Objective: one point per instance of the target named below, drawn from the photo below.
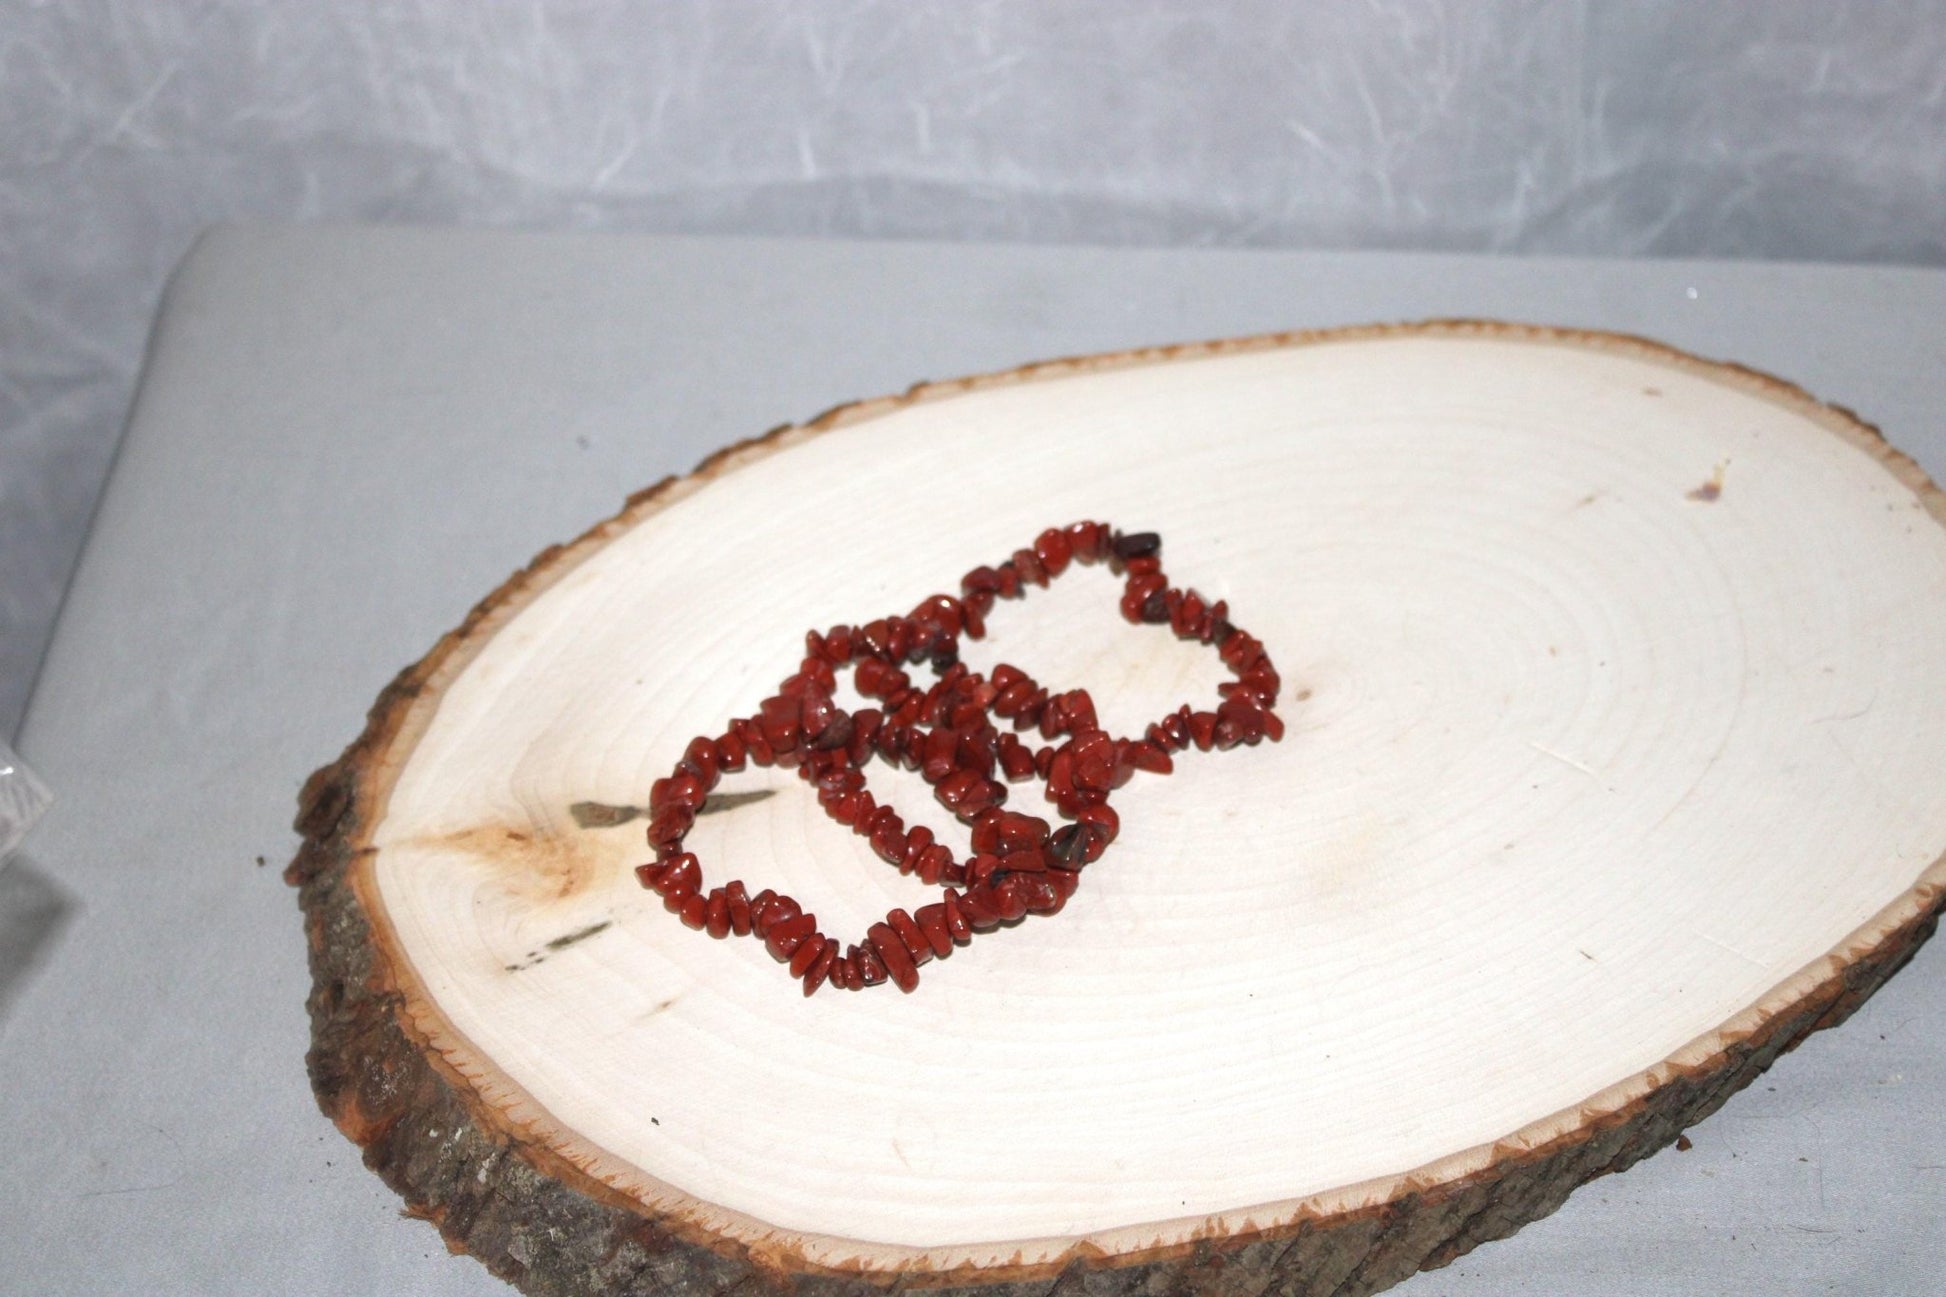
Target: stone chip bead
(1054, 550)
(770, 910)
(702, 760)
(684, 873)
(737, 901)
(716, 914)
(938, 932)
(1102, 818)
(956, 922)
(1009, 899)
(784, 937)
(1038, 893)
(820, 968)
(807, 953)
(885, 942)
(976, 903)
(1089, 541)
(870, 970)
(1075, 846)
(909, 932)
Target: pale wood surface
(1591, 768)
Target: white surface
(345, 437)
(1779, 128)
(1589, 767)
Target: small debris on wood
(1712, 490)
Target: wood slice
(1611, 679)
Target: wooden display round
(1611, 682)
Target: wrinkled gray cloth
(1769, 128)
(346, 437)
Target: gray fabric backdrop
(1763, 128)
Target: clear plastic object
(22, 799)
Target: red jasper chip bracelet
(949, 731)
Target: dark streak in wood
(580, 934)
(558, 944)
(730, 801)
(600, 815)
